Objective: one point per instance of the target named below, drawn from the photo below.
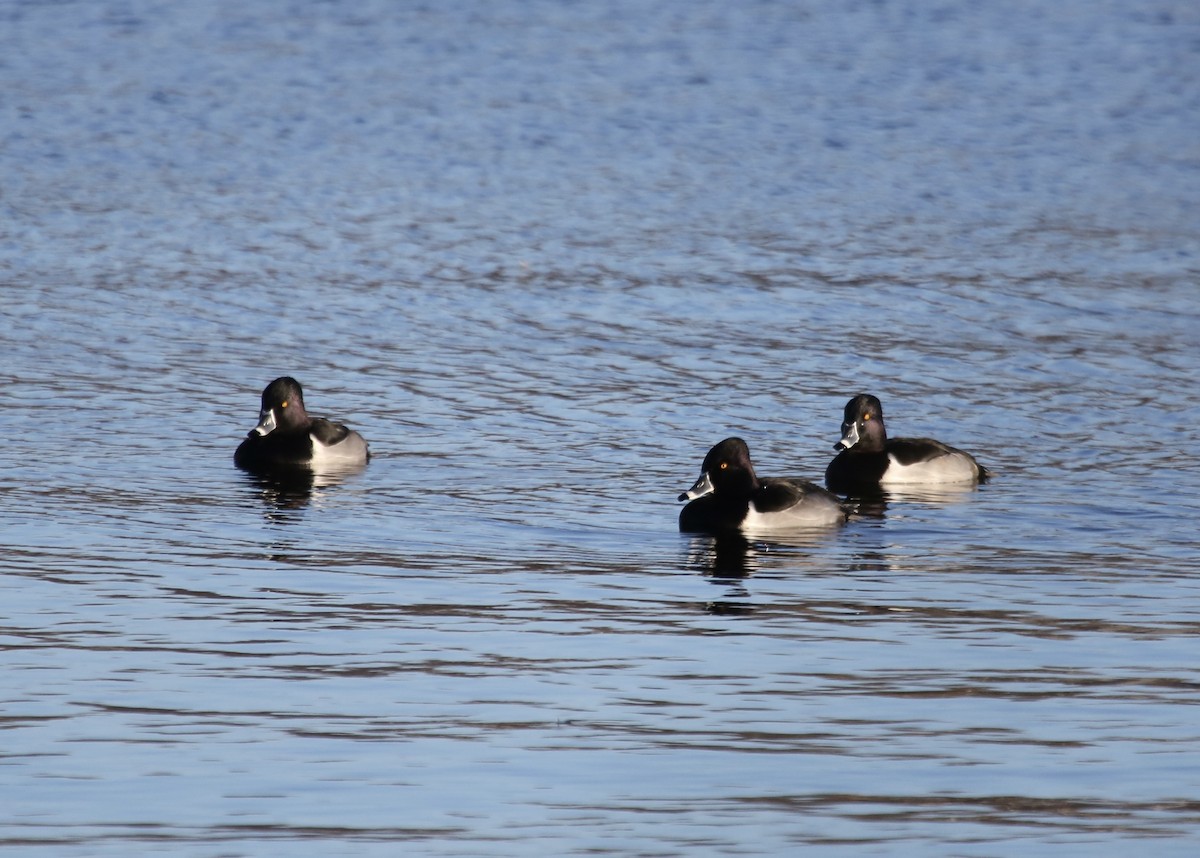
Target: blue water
(543, 256)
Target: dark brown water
(543, 257)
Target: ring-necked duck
(870, 460)
(729, 497)
(287, 437)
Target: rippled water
(543, 256)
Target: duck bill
(266, 423)
(702, 487)
(849, 437)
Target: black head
(284, 389)
(727, 469)
(282, 406)
(862, 424)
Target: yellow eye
(866, 416)
(724, 465)
(283, 404)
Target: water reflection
(736, 556)
(875, 504)
(402, 661)
(288, 490)
(730, 556)
(730, 606)
(728, 560)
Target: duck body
(869, 460)
(287, 437)
(729, 497)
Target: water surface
(544, 257)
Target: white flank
(950, 468)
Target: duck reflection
(730, 556)
(730, 559)
(727, 560)
(287, 490)
(735, 556)
(874, 504)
